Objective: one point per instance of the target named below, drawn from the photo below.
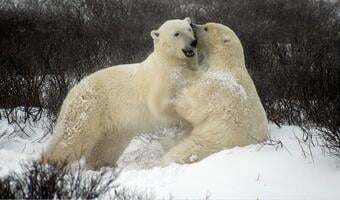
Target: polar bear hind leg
(74, 133)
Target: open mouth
(188, 53)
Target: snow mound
(252, 172)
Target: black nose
(193, 43)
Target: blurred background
(292, 51)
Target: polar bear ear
(155, 35)
(188, 19)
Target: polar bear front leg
(185, 152)
(202, 142)
(108, 149)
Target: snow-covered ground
(21, 141)
(254, 172)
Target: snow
(254, 172)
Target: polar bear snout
(194, 26)
(193, 43)
(189, 51)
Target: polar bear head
(175, 39)
(218, 41)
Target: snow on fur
(225, 80)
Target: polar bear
(222, 105)
(104, 111)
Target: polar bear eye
(206, 28)
(176, 34)
(226, 39)
(189, 30)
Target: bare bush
(38, 181)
